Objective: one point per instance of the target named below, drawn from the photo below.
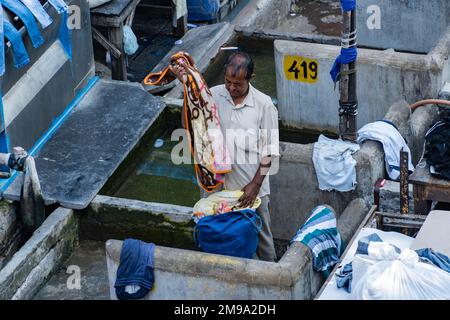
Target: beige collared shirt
(251, 133)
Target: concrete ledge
(44, 269)
(266, 14)
(291, 278)
(9, 226)
(163, 224)
(61, 224)
(203, 44)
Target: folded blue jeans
(27, 18)
(38, 12)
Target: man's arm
(251, 190)
(269, 143)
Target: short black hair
(237, 61)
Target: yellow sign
(301, 69)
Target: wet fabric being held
(201, 119)
(135, 273)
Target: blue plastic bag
(233, 233)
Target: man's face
(236, 84)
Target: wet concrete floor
(90, 258)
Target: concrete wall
(184, 274)
(406, 25)
(10, 232)
(164, 224)
(382, 79)
(48, 247)
(37, 93)
(264, 14)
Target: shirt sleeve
(269, 133)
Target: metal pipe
(347, 81)
(32, 205)
(428, 101)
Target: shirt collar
(249, 100)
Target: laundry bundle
(437, 148)
(334, 164)
(382, 271)
(201, 119)
(225, 228)
(320, 234)
(387, 134)
(220, 202)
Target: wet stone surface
(90, 258)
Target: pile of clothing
(219, 203)
(437, 148)
(381, 270)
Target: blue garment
(320, 234)
(27, 18)
(438, 259)
(64, 31)
(233, 233)
(38, 12)
(20, 54)
(4, 143)
(2, 44)
(347, 55)
(59, 5)
(344, 277)
(135, 268)
(348, 5)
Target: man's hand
(251, 191)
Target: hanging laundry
(64, 31)
(135, 273)
(2, 46)
(201, 121)
(38, 12)
(320, 234)
(20, 54)
(385, 132)
(334, 164)
(27, 18)
(437, 148)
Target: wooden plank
(367, 219)
(105, 43)
(101, 20)
(422, 175)
(421, 205)
(118, 66)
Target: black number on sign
(313, 68)
(304, 65)
(294, 69)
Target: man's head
(238, 71)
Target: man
(249, 122)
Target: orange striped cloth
(207, 144)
